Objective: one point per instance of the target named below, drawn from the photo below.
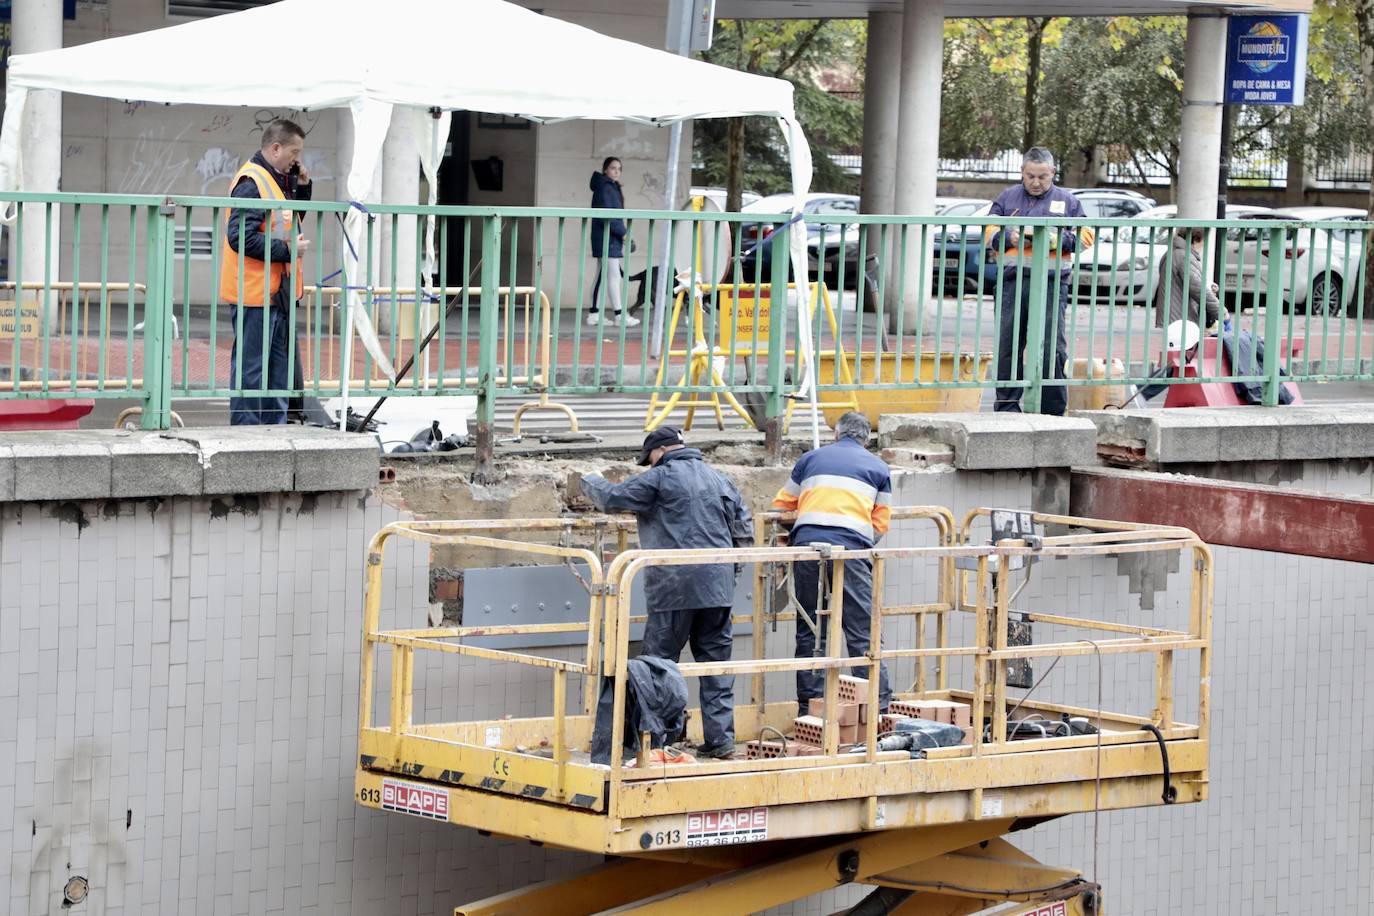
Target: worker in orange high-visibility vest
(256, 267)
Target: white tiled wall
(190, 668)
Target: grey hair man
(842, 495)
(1035, 197)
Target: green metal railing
(125, 305)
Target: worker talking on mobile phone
(261, 275)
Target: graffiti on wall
(155, 163)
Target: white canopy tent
(477, 55)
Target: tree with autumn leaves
(1094, 89)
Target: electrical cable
(1170, 794)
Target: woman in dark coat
(608, 246)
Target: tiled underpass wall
(185, 679)
(1289, 824)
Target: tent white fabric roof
(479, 55)
(474, 55)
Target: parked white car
(1318, 264)
(1123, 265)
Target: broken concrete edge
(993, 441)
(1238, 434)
(118, 464)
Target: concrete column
(918, 136)
(37, 26)
(400, 185)
(1204, 72)
(882, 95)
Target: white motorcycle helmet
(1183, 336)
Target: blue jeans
(857, 624)
(259, 411)
(1011, 350)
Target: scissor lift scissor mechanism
(745, 834)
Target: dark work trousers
(1011, 339)
(249, 410)
(857, 624)
(708, 629)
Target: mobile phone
(295, 169)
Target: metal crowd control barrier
(908, 293)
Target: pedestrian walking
(608, 244)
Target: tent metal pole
(663, 289)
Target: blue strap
(754, 247)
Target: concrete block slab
(1246, 433)
(995, 441)
(1063, 442)
(256, 459)
(333, 460)
(63, 465)
(1311, 433)
(1167, 436)
(1355, 430)
(980, 441)
(149, 464)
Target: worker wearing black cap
(682, 503)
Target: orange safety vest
(279, 225)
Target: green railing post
(1034, 329)
(1273, 315)
(157, 309)
(488, 325)
(775, 407)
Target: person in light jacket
(1181, 282)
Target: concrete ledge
(6, 474)
(70, 464)
(995, 441)
(120, 464)
(1211, 434)
(145, 464)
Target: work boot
(714, 752)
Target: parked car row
(1317, 275)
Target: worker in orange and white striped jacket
(842, 495)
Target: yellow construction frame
(871, 800)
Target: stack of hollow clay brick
(807, 730)
(947, 711)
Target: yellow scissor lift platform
(736, 836)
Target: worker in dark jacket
(1035, 196)
(255, 279)
(608, 243)
(842, 495)
(682, 503)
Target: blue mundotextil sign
(1266, 60)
